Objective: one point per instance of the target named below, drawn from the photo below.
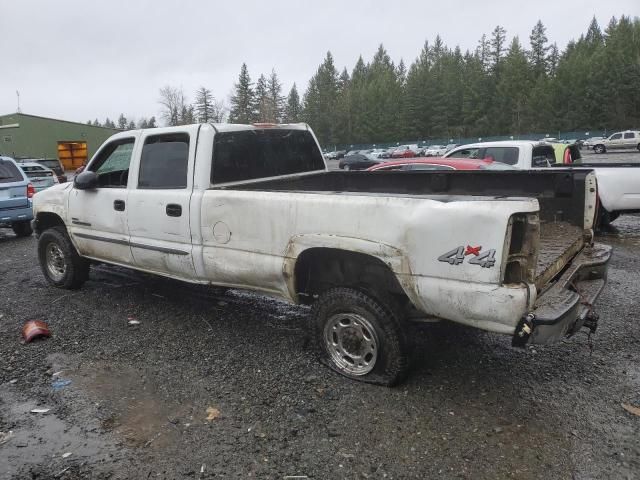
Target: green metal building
(30, 136)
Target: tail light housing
(30, 191)
(520, 252)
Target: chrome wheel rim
(56, 263)
(352, 343)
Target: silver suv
(627, 140)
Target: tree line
(124, 124)
(500, 88)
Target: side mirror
(86, 180)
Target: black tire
(22, 229)
(61, 266)
(605, 218)
(388, 339)
(599, 149)
(639, 147)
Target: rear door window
(508, 155)
(251, 154)
(9, 172)
(164, 161)
(629, 135)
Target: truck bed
(559, 242)
(560, 193)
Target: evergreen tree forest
(505, 86)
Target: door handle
(174, 210)
(118, 205)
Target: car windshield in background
(508, 155)
(251, 154)
(9, 172)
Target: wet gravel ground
(222, 385)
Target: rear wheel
(22, 229)
(599, 149)
(59, 260)
(359, 337)
(347, 168)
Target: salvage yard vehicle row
(254, 207)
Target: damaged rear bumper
(567, 306)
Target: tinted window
(465, 153)
(9, 172)
(543, 156)
(253, 154)
(508, 155)
(112, 163)
(629, 135)
(35, 172)
(615, 136)
(164, 161)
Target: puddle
(40, 439)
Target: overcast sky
(79, 60)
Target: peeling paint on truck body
(251, 234)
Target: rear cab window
(9, 173)
(36, 172)
(543, 156)
(254, 154)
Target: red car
(405, 151)
(433, 163)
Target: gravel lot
(138, 400)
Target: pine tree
(539, 49)
(96, 123)
(122, 122)
(261, 107)
(293, 108)
(204, 105)
(109, 124)
(242, 101)
(498, 39)
(320, 100)
(132, 125)
(276, 100)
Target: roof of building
(20, 114)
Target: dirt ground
(222, 385)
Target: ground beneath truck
(222, 385)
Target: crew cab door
(159, 202)
(629, 140)
(98, 217)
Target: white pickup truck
(618, 183)
(254, 207)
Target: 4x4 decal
(457, 256)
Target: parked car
(40, 176)
(358, 161)
(52, 163)
(16, 192)
(435, 151)
(505, 252)
(618, 189)
(412, 164)
(590, 142)
(405, 151)
(627, 140)
(336, 155)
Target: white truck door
(159, 202)
(98, 217)
(614, 141)
(629, 140)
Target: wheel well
(46, 220)
(319, 269)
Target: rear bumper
(564, 308)
(20, 214)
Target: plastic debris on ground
(67, 454)
(60, 384)
(5, 436)
(133, 321)
(631, 409)
(35, 329)
(212, 413)
(40, 410)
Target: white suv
(627, 140)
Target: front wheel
(22, 229)
(599, 149)
(59, 260)
(359, 337)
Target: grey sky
(83, 59)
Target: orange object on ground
(35, 329)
